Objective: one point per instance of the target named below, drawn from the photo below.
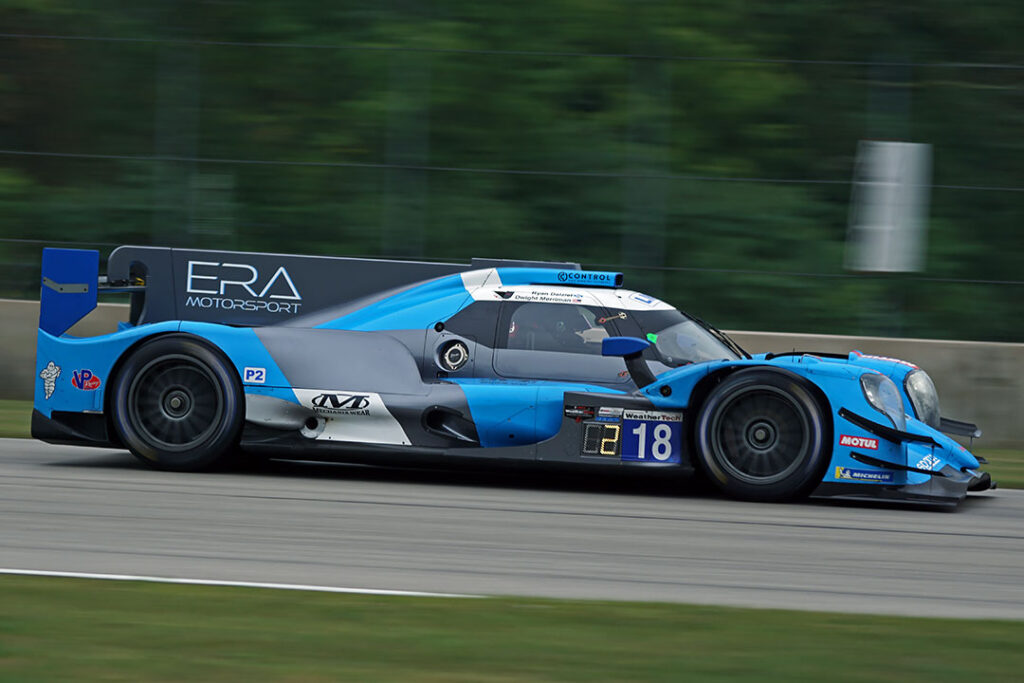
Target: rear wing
(230, 287)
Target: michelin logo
(49, 376)
(876, 476)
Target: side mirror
(623, 346)
(631, 349)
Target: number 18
(661, 449)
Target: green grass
(15, 417)
(70, 629)
(1005, 465)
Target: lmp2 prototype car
(376, 361)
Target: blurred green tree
(703, 147)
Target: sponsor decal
(579, 412)
(878, 476)
(607, 411)
(341, 404)
(643, 298)
(928, 462)
(654, 415)
(85, 380)
(504, 294)
(254, 375)
(353, 416)
(547, 296)
(585, 276)
(239, 286)
(49, 376)
(858, 442)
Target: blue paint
(95, 354)
(623, 346)
(58, 311)
(517, 412)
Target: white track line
(234, 584)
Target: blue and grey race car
(381, 361)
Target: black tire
(177, 405)
(762, 435)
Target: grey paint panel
(276, 413)
(343, 360)
(573, 367)
(375, 362)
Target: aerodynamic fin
(69, 283)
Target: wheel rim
(760, 436)
(175, 403)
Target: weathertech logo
(342, 404)
(858, 442)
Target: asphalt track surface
(537, 534)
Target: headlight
(883, 394)
(923, 397)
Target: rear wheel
(761, 435)
(177, 404)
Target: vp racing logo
(341, 404)
(240, 286)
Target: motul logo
(858, 442)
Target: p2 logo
(254, 375)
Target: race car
(231, 354)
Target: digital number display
(601, 438)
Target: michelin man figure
(49, 375)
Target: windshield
(677, 339)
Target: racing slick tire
(178, 405)
(762, 435)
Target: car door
(559, 341)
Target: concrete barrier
(19, 321)
(981, 382)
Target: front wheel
(177, 404)
(762, 435)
